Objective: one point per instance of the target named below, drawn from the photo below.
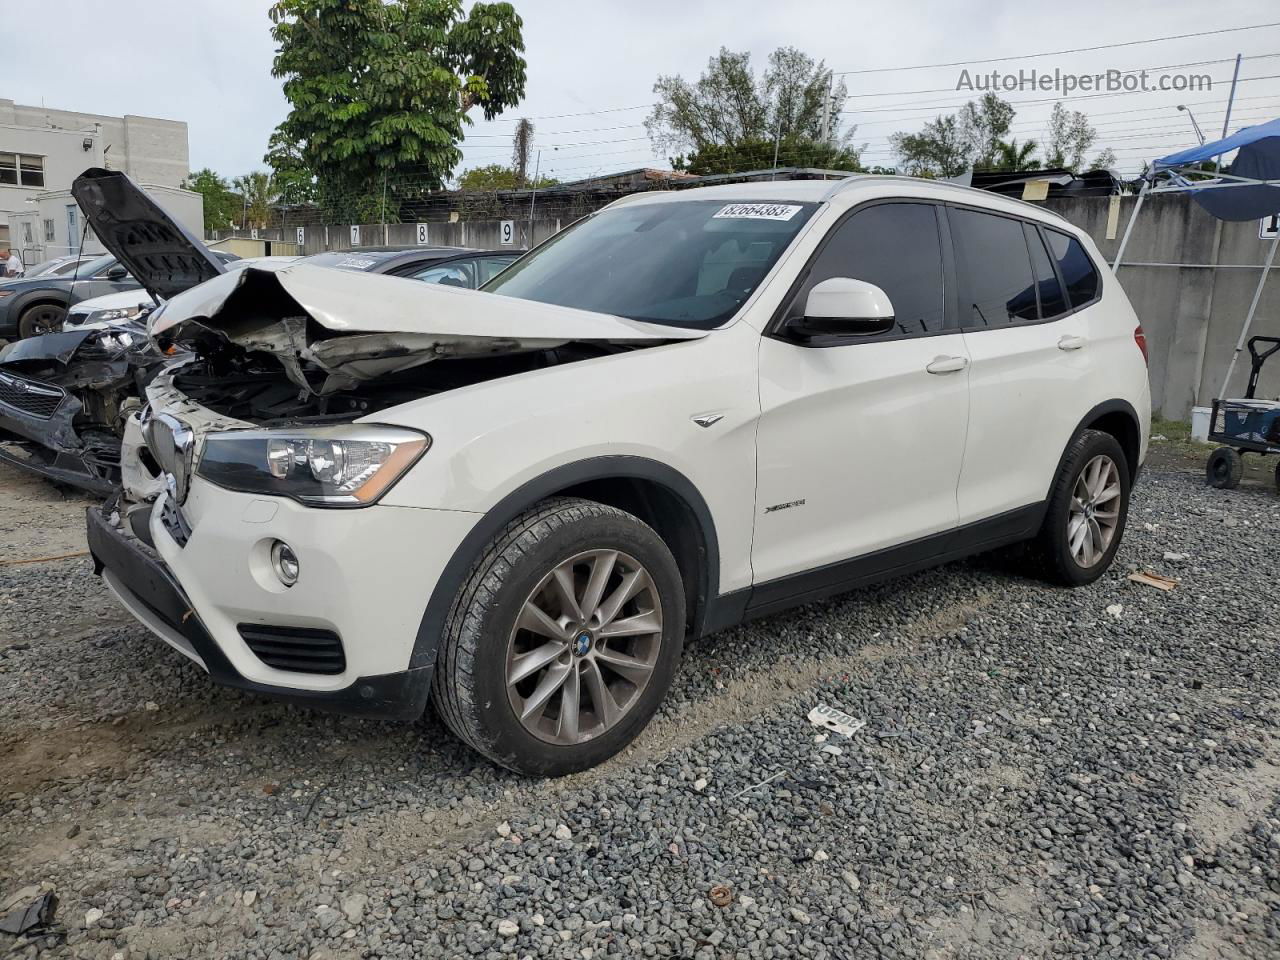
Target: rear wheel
(1087, 511)
(1224, 469)
(40, 319)
(563, 641)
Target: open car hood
(359, 326)
(159, 252)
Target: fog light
(285, 562)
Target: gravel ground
(1042, 772)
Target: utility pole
(826, 110)
(384, 207)
(533, 197)
(777, 139)
(1231, 98)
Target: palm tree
(1013, 158)
(258, 193)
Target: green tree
(385, 85)
(221, 206)
(257, 196)
(983, 124)
(294, 183)
(758, 155)
(939, 150)
(728, 112)
(1014, 158)
(1069, 138)
(495, 176)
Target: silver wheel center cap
(582, 644)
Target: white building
(43, 150)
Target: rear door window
(993, 270)
(1078, 271)
(1052, 301)
(896, 246)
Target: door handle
(947, 364)
(1070, 342)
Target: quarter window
(1078, 271)
(993, 266)
(1052, 302)
(896, 246)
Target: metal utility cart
(1247, 425)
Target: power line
(1056, 53)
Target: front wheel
(564, 639)
(40, 319)
(1087, 511)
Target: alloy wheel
(41, 320)
(1095, 511)
(584, 646)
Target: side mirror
(117, 271)
(844, 307)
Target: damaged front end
(65, 398)
(308, 346)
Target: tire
(485, 637)
(1224, 469)
(1064, 555)
(42, 318)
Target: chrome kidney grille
(31, 397)
(172, 444)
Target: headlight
(103, 316)
(346, 466)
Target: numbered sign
(253, 233)
(507, 233)
(422, 233)
(355, 234)
(1269, 227)
(302, 235)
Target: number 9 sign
(508, 233)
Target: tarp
(1258, 159)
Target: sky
(592, 65)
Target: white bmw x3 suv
(688, 409)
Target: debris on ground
(835, 719)
(1159, 581)
(1116, 610)
(33, 914)
(721, 895)
(1171, 557)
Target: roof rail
(841, 185)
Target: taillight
(1140, 339)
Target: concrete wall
(482, 235)
(1191, 312)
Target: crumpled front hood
(359, 326)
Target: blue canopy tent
(1249, 189)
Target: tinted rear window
(1052, 301)
(994, 270)
(1078, 271)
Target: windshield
(685, 263)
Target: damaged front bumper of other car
(64, 399)
(252, 533)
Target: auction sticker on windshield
(757, 211)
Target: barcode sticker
(757, 211)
